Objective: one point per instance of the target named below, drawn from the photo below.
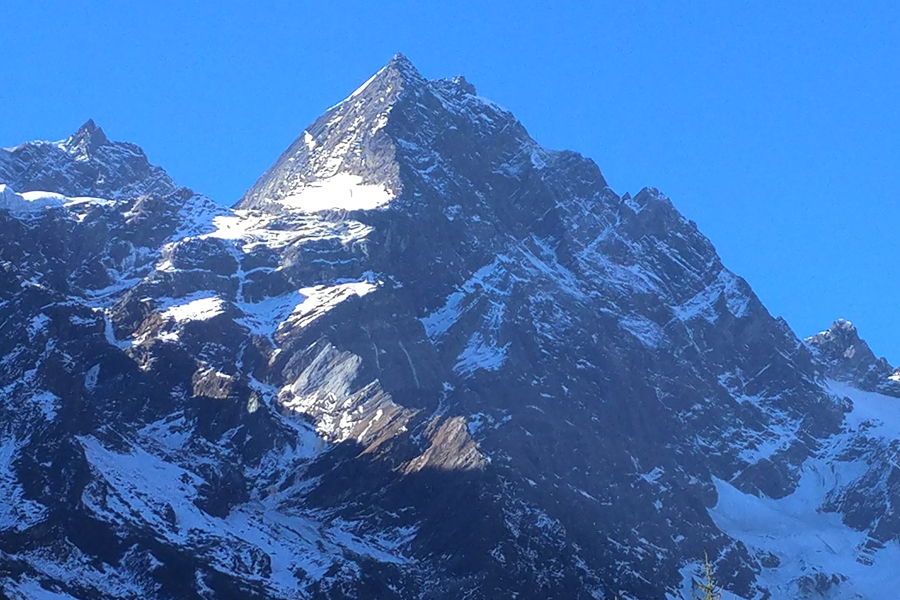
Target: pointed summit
(841, 341)
(396, 122)
(90, 127)
(847, 357)
(85, 164)
(388, 83)
(402, 65)
(399, 137)
(84, 143)
(348, 142)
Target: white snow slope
(812, 545)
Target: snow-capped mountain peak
(424, 357)
(354, 156)
(344, 159)
(404, 67)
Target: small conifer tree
(708, 588)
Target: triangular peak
(344, 156)
(84, 142)
(841, 339)
(400, 138)
(404, 67)
(387, 83)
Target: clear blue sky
(777, 129)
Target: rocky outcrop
(847, 357)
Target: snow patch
(338, 192)
(646, 331)
(452, 212)
(480, 354)
(198, 216)
(878, 414)
(90, 378)
(320, 299)
(253, 229)
(267, 315)
(47, 403)
(196, 308)
(16, 512)
(362, 88)
(142, 486)
(538, 158)
(37, 324)
(309, 140)
(439, 322)
(32, 590)
(807, 540)
(703, 304)
(28, 203)
(486, 279)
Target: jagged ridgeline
(423, 357)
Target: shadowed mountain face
(423, 357)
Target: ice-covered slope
(836, 535)
(423, 357)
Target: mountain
(85, 164)
(423, 357)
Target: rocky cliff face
(846, 357)
(423, 357)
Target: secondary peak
(84, 142)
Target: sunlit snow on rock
(340, 192)
(320, 299)
(806, 538)
(198, 309)
(34, 202)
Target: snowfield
(812, 544)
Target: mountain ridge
(86, 164)
(490, 375)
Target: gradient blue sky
(775, 128)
